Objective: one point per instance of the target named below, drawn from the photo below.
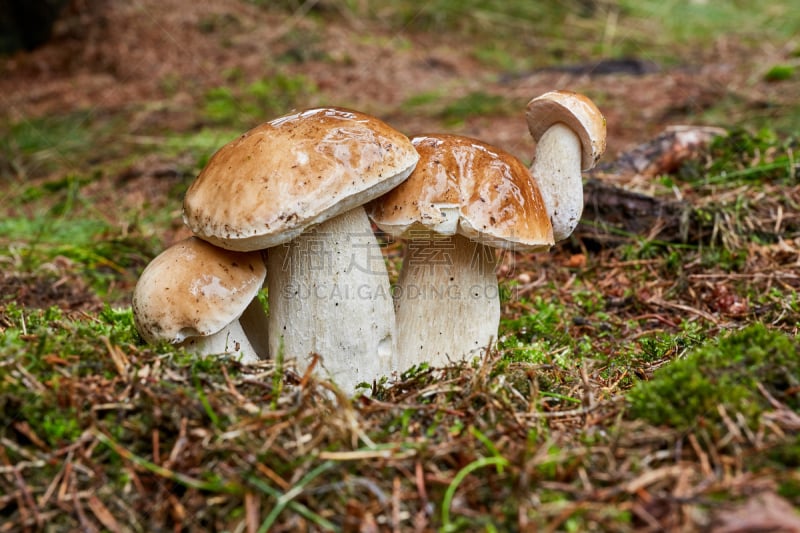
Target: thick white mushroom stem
(447, 301)
(556, 169)
(230, 340)
(329, 295)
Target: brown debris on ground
(155, 441)
(56, 284)
(764, 511)
(309, 460)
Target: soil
(57, 284)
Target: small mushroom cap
(280, 178)
(579, 114)
(465, 186)
(194, 289)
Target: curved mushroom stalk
(570, 133)
(329, 294)
(229, 340)
(556, 169)
(448, 304)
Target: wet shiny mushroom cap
(280, 178)
(194, 289)
(465, 186)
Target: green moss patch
(737, 372)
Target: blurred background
(616, 400)
(174, 66)
(108, 109)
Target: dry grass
(163, 444)
(680, 247)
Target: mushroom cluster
(466, 197)
(286, 206)
(292, 190)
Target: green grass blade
(297, 507)
(475, 432)
(447, 525)
(183, 479)
(295, 491)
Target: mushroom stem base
(229, 340)
(329, 295)
(447, 301)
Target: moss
(245, 105)
(790, 489)
(780, 73)
(727, 372)
(743, 156)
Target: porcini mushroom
(267, 189)
(193, 294)
(464, 198)
(570, 133)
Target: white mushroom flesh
(329, 295)
(448, 306)
(253, 321)
(230, 340)
(556, 169)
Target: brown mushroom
(193, 295)
(295, 185)
(571, 136)
(464, 198)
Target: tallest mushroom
(570, 135)
(295, 186)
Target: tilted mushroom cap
(576, 111)
(275, 181)
(465, 186)
(194, 289)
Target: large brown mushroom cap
(280, 178)
(194, 289)
(466, 186)
(575, 110)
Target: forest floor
(646, 377)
